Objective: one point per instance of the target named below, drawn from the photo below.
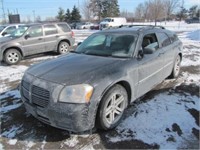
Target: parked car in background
(73, 25)
(93, 85)
(6, 30)
(112, 22)
(95, 26)
(193, 20)
(84, 25)
(36, 38)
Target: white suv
(6, 30)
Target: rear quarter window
(164, 39)
(64, 27)
(50, 29)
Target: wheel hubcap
(115, 108)
(13, 57)
(64, 48)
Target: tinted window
(164, 39)
(173, 37)
(50, 29)
(35, 31)
(64, 27)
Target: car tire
(112, 108)
(177, 67)
(12, 57)
(63, 47)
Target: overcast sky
(49, 8)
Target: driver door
(34, 41)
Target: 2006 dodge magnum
(92, 86)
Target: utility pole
(3, 11)
(33, 15)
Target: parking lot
(166, 117)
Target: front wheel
(12, 56)
(177, 67)
(112, 108)
(63, 47)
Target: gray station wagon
(93, 85)
(35, 38)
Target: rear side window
(164, 39)
(64, 27)
(173, 37)
(50, 29)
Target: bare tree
(87, 13)
(139, 14)
(156, 10)
(171, 6)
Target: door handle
(161, 54)
(57, 36)
(40, 39)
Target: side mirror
(148, 51)
(79, 43)
(4, 33)
(27, 36)
(140, 54)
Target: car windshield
(1, 28)
(113, 45)
(19, 31)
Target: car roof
(136, 29)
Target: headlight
(76, 94)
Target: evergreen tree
(61, 14)
(75, 15)
(68, 16)
(104, 8)
(113, 8)
(193, 11)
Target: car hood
(72, 68)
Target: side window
(164, 39)
(173, 37)
(10, 30)
(64, 27)
(35, 31)
(150, 41)
(50, 29)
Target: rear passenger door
(51, 37)
(167, 53)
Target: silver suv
(36, 38)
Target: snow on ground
(169, 129)
(172, 128)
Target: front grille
(39, 101)
(26, 85)
(39, 96)
(40, 92)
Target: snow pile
(195, 35)
(164, 120)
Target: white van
(112, 22)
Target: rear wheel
(177, 67)
(112, 108)
(12, 56)
(63, 47)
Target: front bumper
(71, 117)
